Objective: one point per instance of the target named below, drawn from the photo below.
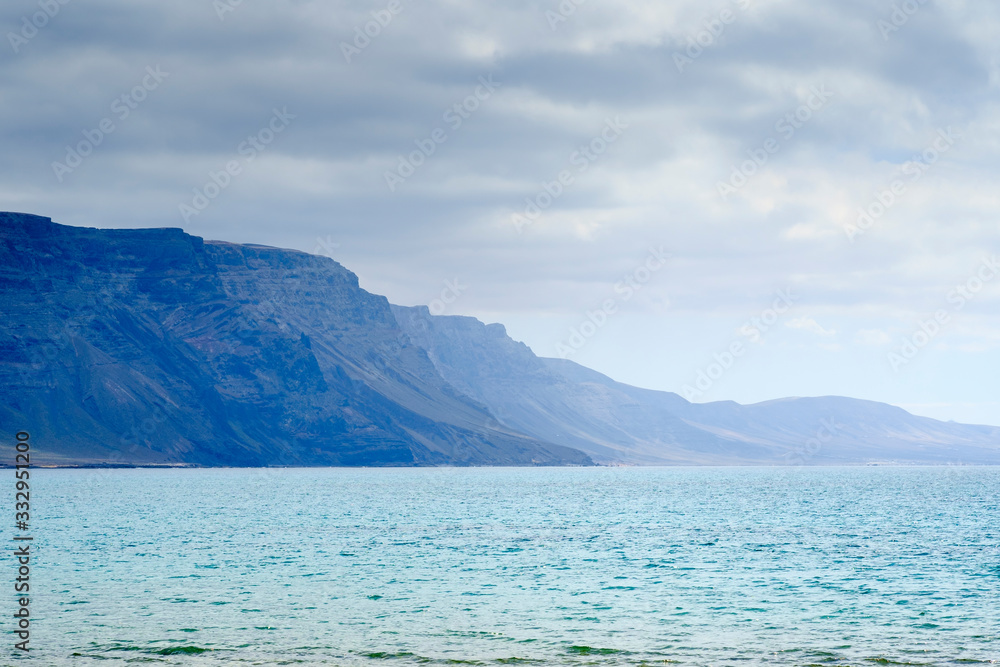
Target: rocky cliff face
(560, 401)
(154, 346)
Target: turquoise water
(859, 566)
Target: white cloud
(873, 337)
(656, 186)
(810, 325)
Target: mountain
(156, 347)
(560, 401)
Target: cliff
(157, 347)
(154, 346)
(560, 401)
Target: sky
(732, 200)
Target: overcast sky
(590, 141)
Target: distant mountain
(153, 346)
(560, 401)
(157, 347)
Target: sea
(504, 566)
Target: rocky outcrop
(560, 401)
(157, 347)
(154, 346)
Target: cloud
(810, 325)
(323, 177)
(873, 337)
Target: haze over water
(496, 566)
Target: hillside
(154, 346)
(560, 401)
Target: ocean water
(613, 566)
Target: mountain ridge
(625, 424)
(155, 347)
